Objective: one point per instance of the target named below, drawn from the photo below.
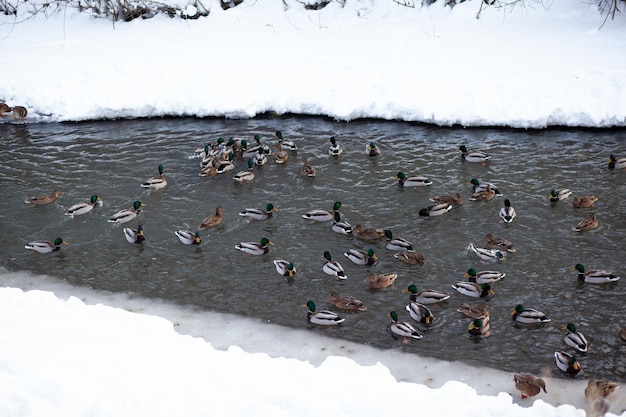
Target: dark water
(111, 159)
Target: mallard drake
(284, 268)
(4, 108)
(281, 156)
(528, 385)
(410, 257)
(420, 313)
(474, 310)
(567, 363)
(156, 183)
(250, 152)
(346, 302)
(335, 148)
(19, 112)
(82, 208)
(285, 143)
(575, 339)
(43, 246)
(45, 198)
(371, 149)
(245, 175)
(306, 169)
(435, 210)
(333, 268)
(361, 257)
(322, 317)
(471, 289)
(597, 276)
(260, 158)
(124, 216)
(259, 214)
(525, 315)
(321, 215)
(453, 200)
(341, 226)
(412, 181)
(616, 163)
(134, 235)
(588, 223)
(254, 248)
(225, 165)
(187, 237)
(368, 234)
(480, 326)
(425, 296)
(403, 328)
(600, 388)
(473, 156)
(584, 201)
(481, 186)
(485, 254)
(377, 281)
(483, 277)
(397, 244)
(559, 195)
(499, 243)
(483, 195)
(213, 220)
(507, 213)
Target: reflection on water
(111, 159)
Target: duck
(473, 156)
(567, 363)
(499, 243)
(599, 388)
(410, 257)
(322, 317)
(134, 235)
(481, 186)
(471, 289)
(321, 215)
(368, 234)
(398, 243)
(4, 108)
(483, 277)
(346, 302)
(588, 223)
(480, 326)
(372, 150)
(453, 200)
(254, 248)
(245, 175)
(528, 385)
(525, 315)
(225, 165)
(483, 195)
(412, 181)
(284, 268)
(334, 149)
(420, 313)
(378, 281)
(306, 169)
(560, 194)
(82, 208)
(341, 226)
(288, 144)
(260, 158)
(361, 257)
(486, 254)
(44, 246)
(597, 276)
(507, 213)
(209, 170)
(585, 201)
(426, 297)
(213, 220)
(474, 310)
(435, 210)
(622, 334)
(333, 268)
(575, 339)
(259, 214)
(124, 216)
(19, 112)
(616, 163)
(44, 198)
(187, 237)
(403, 328)
(156, 183)
(281, 156)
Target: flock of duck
(219, 158)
